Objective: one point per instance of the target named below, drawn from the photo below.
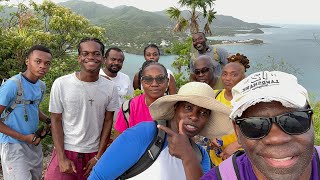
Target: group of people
(258, 127)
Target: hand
(28, 139)
(215, 145)
(178, 143)
(89, 166)
(229, 150)
(67, 166)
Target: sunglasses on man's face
(292, 123)
(149, 79)
(203, 70)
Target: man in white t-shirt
(82, 105)
(114, 61)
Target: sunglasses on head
(203, 70)
(292, 123)
(149, 79)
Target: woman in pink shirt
(154, 81)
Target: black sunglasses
(203, 70)
(292, 123)
(149, 79)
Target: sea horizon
(294, 44)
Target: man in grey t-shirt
(218, 55)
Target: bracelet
(95, 157)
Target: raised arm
(136, 84)
(172, 85)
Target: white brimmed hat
(202, 95)
(268, 86)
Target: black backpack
(152, 152)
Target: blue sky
(255, 11)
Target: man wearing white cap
(190, 112)
(272, 118)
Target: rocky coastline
(236, 42)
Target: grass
(316, 120)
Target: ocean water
(292, 43)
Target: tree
(49, 24)
(271, 64)
(191, 21)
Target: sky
(253, 11)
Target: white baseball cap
(267, 86)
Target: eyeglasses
(292, 123)
(149, 79)
(203, 70)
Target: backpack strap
(20, 97)
(3, 81)
(317, 157)
(216, 55)
(150, 155)
(217, 94)
(229, 168)
(139, 78)
(126, 111)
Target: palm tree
(196, 9)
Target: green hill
(136, 17)
(100, 14)
(131, 28)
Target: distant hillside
(124, 14)
(131, 15)
(223, 21)
(131, 28)
(90, 10)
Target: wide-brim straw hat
(202, 95)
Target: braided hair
(150, 46)
(240, 58)
(147, 64)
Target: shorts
(21, 161)
(79, 159)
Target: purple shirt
(246, 171)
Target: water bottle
(219, 150)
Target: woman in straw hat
(190, 112)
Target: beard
(114, 70)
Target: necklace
(91, 100)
